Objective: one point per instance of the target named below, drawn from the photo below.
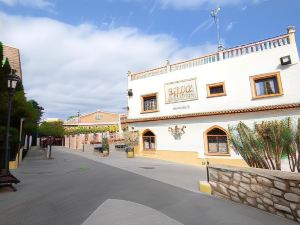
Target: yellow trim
(14, 164)
(214, 160)
(136, 149)
(206, 142)
(191, 158)
(208, 86)
(253, 79)
(205, 187)
(130, 155)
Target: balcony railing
(221, 55)
(149, 73)
(256, 47)
(195, 62)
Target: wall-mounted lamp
(285, 60)
(130, 93)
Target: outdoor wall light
(12, 81)
(285, 60)
(130, 93)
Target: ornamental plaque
(181, 91)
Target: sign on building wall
(181, 91)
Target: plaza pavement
(74, 190)
(179, 175)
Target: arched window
(148, 140)
(216, 141)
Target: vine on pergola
(90, 130)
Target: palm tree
(265, 145)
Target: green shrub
(105, 144)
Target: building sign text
(181, 91)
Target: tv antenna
(214, 14)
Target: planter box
(130, 155)
(105, 153)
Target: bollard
(48, 152)
(207, 172)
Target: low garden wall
(276, 192)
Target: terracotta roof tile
(215, 113)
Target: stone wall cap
(262, 172)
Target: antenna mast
(214, 14)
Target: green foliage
(14, 141)
(131, 138)
(92, 130)
(266, 144)
(105, 144)
(21, 108)
(53, 129)
(72, 117)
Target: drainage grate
(147, 167)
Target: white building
(182, 111)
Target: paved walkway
(179, 175)
(73, 190)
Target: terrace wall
(276, 192)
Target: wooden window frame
(142, 103)
(254, 78)
(206, 152)
(208, 86)
(155, 141)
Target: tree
(53, 129)
(22, 108)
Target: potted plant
(131, 139)
(105, 147)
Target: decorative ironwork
(177, 132)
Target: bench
(7, 180)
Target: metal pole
(7, 144)
(207, 171)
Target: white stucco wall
(193, 139)
(235, 72)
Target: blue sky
(133, 34)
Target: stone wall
(276, 192)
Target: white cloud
(244, 8)
(67, 68)
(41, 4)
(193, 4)
(205, 25)
(229, 26)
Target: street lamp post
(6, 178)
(12, 82)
